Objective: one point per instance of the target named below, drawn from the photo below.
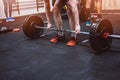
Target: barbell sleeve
(114, 36)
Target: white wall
(111, 4)
(1, 9)
(22, 11)
(106, 5)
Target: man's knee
(72, 6)
(55, 10)
(69, 12)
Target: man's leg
(56, 13)
(10, 8)
(73, 16)
(58, 20)
(5, 2)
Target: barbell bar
(63, 30)
(114, 36)
(81, 32)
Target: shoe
(7, 19)
(57, 38)
(11, 19)
(72, 42)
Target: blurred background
(26, 7)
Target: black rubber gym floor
(38, 59)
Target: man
(8, 9)
(73, 16)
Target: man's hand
(77, 29)
(49, 25)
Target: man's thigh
(5, 2)
(98, 1)
(88, 1)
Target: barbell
(100, 35)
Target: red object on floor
(16, 29)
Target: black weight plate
(97, 41)
(29, 29)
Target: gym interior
(23, 58)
